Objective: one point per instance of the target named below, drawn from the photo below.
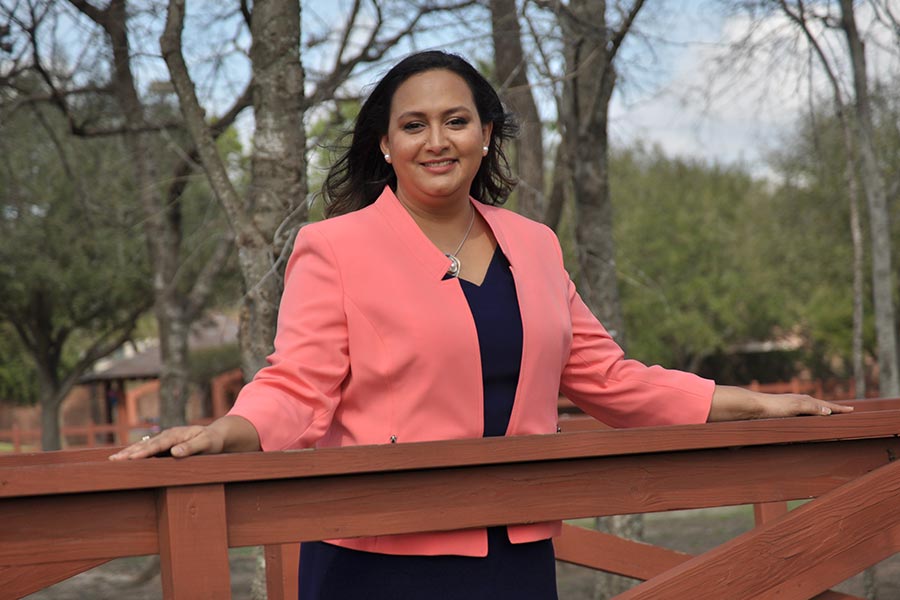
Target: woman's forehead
(435, 91)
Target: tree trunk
(561, 179)
(174, 388)
(511, 72)
(799, 17)
(277, 195)
(590, 48)
(162, 225)
(587, 93)
(275, 206)
(175, 308)
(53, 390)
(51, 401)
(879, 222)
(856, 235)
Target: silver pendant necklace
(453, 271)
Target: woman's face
(435, 139)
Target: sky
(678, 87)
(704, 103)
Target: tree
(184, 267)
(879, 220)
(688, 237)
(819, 24)
(797, 15)
(512, 73)
(177, 304)
(72, 279)
(590, 47)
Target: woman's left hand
(733, 403)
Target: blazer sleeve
(291, 401)
(621, 392)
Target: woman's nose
(436, 140)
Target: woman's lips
(439, 166)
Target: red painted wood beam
(25, 478)
(23, 580)
(798, 556)
(193, 548)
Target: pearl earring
(484, 149)
(387, 158)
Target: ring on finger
(145, 438)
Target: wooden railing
(65, 512)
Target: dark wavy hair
(359, 175)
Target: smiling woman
(422, 311)
(435, 142)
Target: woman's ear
(385, 149)
(486, 134)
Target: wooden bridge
(65, 512)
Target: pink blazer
(374, 346)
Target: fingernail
(177, 451)
(826, 410)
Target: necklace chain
(453, 271)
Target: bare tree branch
(204, 280)
(348, 29)
(195, 117)
(90, 11)
(374, 49)
(189, 162)
(245, 11)
(624, 29)
(106, 342)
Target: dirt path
(688, 531)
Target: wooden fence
(66, 512)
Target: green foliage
(710, 259)
(812, 210)
(328, 136)
(687, 235)
(18, 383)
(72, 260)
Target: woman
(421, 311)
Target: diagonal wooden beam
(610, 553)
(605, 552)
(22, 580)
(798, 556)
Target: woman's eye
(412, 126)
(459, 122)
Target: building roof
(210, 332)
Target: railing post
(193, 542)
(766, 512)
(282, 562)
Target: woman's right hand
(227, 434)
(180, 441)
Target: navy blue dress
(509, 571)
